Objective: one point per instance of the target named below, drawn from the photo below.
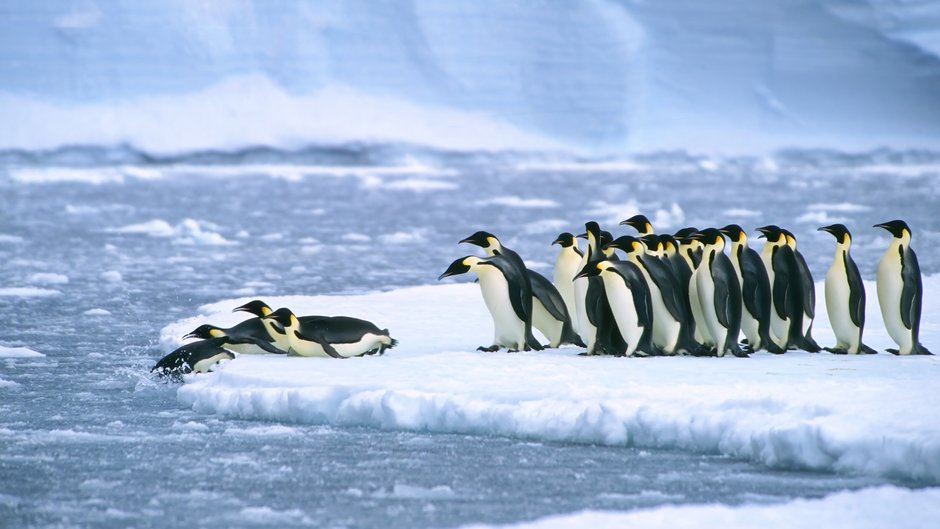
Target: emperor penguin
(256, 307)
(755, 291)
(598, 328)
(196, 357)
(251, 336)
(332, 336)
(629, 298)
(640, 223)
(502, 286)
(809, 293)
(900, 291)
(277, 333)
(654, 245)
(786, 291)
(845, 296)
(669, 312)
(491, 245)
(719, 294)
(689, 247)
(549, 313)
(566, 267)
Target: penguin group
(275, 332)
(693, 293)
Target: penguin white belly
(246, 349)
(307, 348)
(566, 268)
(509, 330)
(621, 304)
(665, 327)
(586, 331)
(701, 332)
(837, 306)
(779, 327)
(206, 365)
(546, 323)
(368, 342)
(890, 286)
(749, 324)
(706, 293)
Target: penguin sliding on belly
(630, 303)
(719, 294)
(248, 337)
(332, 336)
(502, 286)
(845, 296)
(900, 291)
(196, 357)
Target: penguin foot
(835, 350)
(920, 350)
(490, 349)
(895, 352)
(864, 349)
(739, 353)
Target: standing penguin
(755, 291)
(669, 315)
(719, 294)
(502, 286)
(845, 296)
(900, 292)
(630, 304)
(809, 294)
(566, 267)
(598, 328)
(491, 245)
(786, 291)
(549, 313)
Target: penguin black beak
(588, 271)
(582, 235)
(190, 335)
(882, 226)
(558, 241)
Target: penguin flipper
(548, 295)
(318, 338)
(263, 344)
(856, 292)
(911, 290)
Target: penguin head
(483, 239)
(734, 233)
(772, 233)
(653, 243)
(256, 307)
(283, 317)
(640, 223)
(566, 240)
(592, 228)
(839, 231)
(710, 237)
(670, 245)
(685, 233)
(790, 239)
(593, 269)
(460, 266)
(897, 228)
(205, 332)
(628, 244)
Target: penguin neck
(899, 244)
(685, 251)
(842, 249)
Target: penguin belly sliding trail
(673, 294)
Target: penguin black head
(790, 238)
(709, 236)
(627, 243)
(771, 233)
(203, 332)
(652, 240)
(282, 316)
(839, 231)
(594, 228)
(606, 237)
(640, 223)
(591, 269)
(256, 307)
(566, 240)
(483, 239)
(685, 233)
(734, 232)
(460, 266)
(895, 227)
(669, 243)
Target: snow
(187, 232)
(18, 352)
(471, 75)
(97, 312)
(43, 278)
(873, 508)
(872, 415)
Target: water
(88, 438)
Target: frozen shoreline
(873, 415)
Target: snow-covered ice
(865, 509)
(870, 415)
(18, 352)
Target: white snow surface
(874, 508)
(873, 415)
